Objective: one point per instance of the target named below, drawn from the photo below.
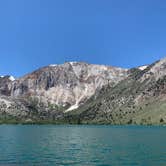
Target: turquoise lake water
(84, 145)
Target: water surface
(82, 145)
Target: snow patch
(53, 65)
(142, 67)
(73, 107)
(72, 63)
(11, 78)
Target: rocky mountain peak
(70, 83)
(156, 70)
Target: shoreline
(76, 124)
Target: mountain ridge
(78, 92)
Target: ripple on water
(82, 145)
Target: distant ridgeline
(82, 93)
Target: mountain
(65, 86)
(140, 98)
(78, 92)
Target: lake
(82, 145)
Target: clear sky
(125, 33)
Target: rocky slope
(5, 85)
(77, 92)
(67, 85)
(138, 99)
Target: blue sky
(125, 33)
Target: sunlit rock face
(158, 70)
(69, 84)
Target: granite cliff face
(78, 92)
(68, 85)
